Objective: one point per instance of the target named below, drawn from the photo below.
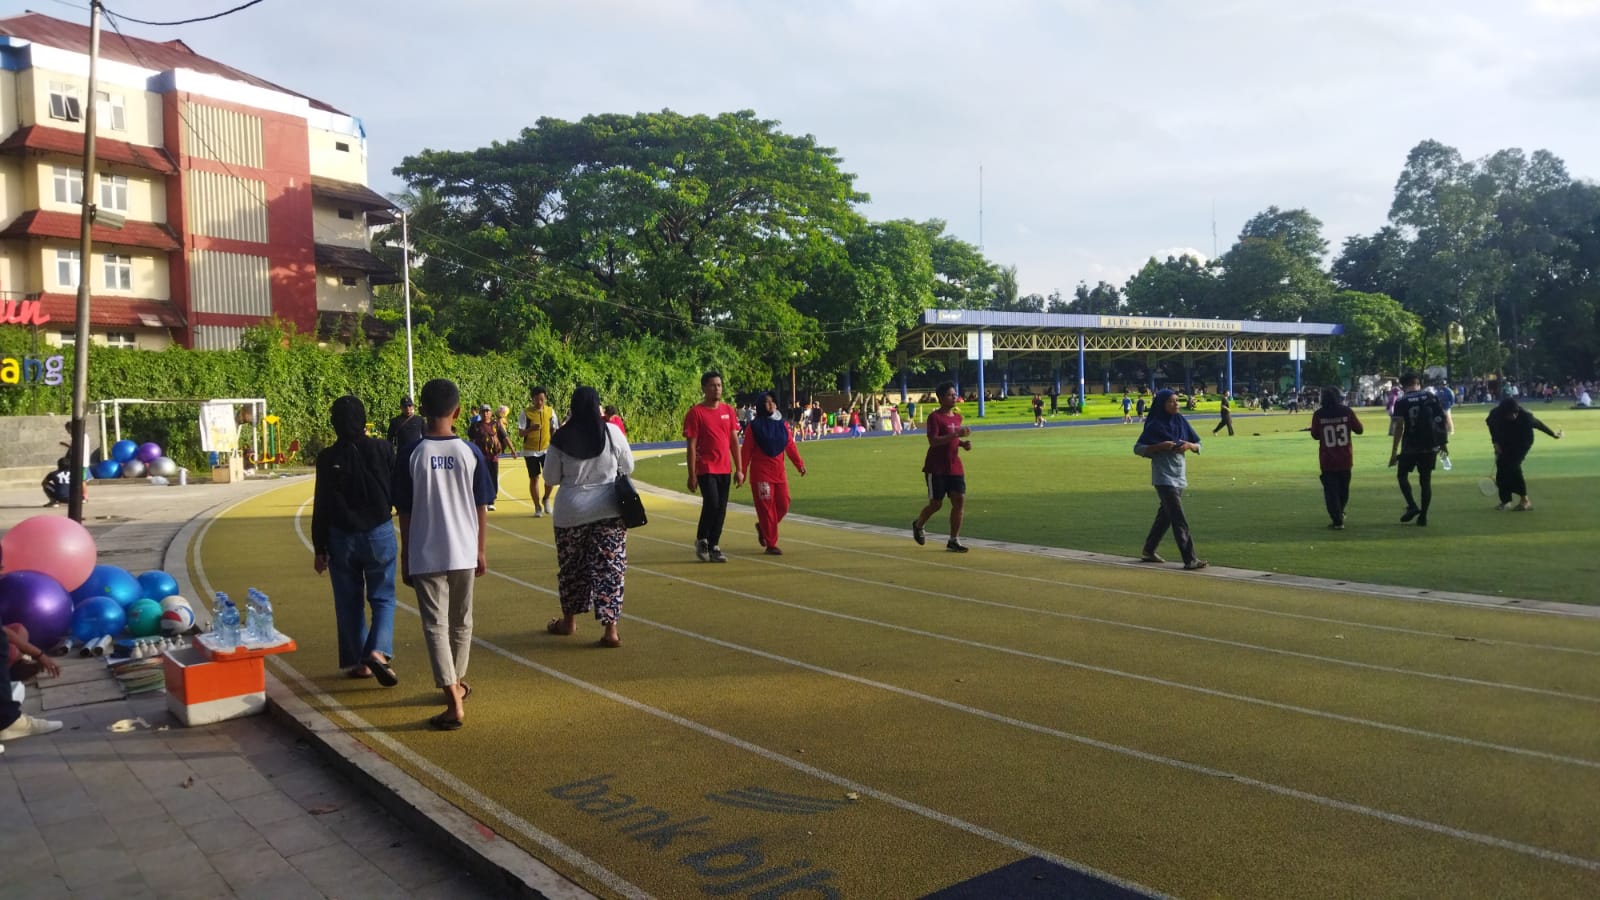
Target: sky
(1107, 131)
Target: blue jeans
(361, 567)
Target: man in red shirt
(943, 470)
(711, 428)
(1332, 425)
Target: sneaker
(760, 538)
(1337, 526)
(538, 512)
(27, 726)
(702, 550)
(491, 507)
(917, 534)
(774, 551)
(1150, 557)
(716, 555)
(1195, 564)
(1422, 521)
(1525, 505)
(547, 510)
(1502, 506)
(955, 546)
(1411, 513)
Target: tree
(1274, 272)
(1373, 264)
(1181, 286)
(1377, 329)
(1101, 300)
(963, 278)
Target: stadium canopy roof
(947, 330)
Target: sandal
(466, 690)
(445, 722)
(358, 672)
(610, 642)
(554, 627)
(382, 671)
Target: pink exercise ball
(54, 545)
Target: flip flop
(610, 642)
(466, 690)
(382, 671)
(445, 722)
(554, 627)
(355, 672)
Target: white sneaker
(27, 726)
(538, 512)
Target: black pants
(1422, 464)
(1227, 422)
(10, 710)
(1336, 494)
(1170, 515)
(713, 507)
(1508, 476)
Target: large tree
(1274, 272)
(1181, 286)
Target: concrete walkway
(125, 802)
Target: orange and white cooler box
(206, 685)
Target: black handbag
(628, 499)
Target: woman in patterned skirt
(586, 456)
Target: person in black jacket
(354, 541)
(1511, 429)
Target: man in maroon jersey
(942, 468)
(1332, 425)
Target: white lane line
(1282, 790)
(1150, 629)
(769, 755)
(526, 829)
(1001, 572)
(1119, 673)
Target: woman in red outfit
(767, 439)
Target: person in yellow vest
(537, 423)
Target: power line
(227, 12)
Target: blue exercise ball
(109, 581)
(97, 617)
(158, 585)
(107, 468)
(123, 450)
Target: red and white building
(242, 199)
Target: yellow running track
(864, 717)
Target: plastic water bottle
(252, 618)
(216, 611)
(228, 626)
(265, 632)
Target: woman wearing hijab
(767, 440)
(1511, 429)
(354, 541)
(1167, 436)
(586, 456)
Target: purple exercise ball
(37, 602)
(147, 453)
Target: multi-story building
(241, 199)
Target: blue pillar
(1229, 388)
(955, 373)
(980, 374)
(1005, 379)
(1297, 376)
(902, 384)
(1082, 384)
(1107, 384)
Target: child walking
(442, 492)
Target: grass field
(1253, 501)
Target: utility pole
(405, 272)
(80, 347)
(980, 208)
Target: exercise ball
(164, 467)
(144, 618)
(109, 581)
(107, 468)
(157, 584)
(148, 452)
(134, 468)
(123, 450)
(97, 617)
(174, 601)
(54, 545)
(37, 602)
(177, 620)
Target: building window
(64, 102)
(122, 340)
(347, 214)
(67, 268)
(109, 112)
(69, 184)
(68, 338)
(341, 146)
(114, 192)
(119, 272)
(350, 281)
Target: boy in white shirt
(442, 492)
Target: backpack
(1425, 428)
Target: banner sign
(1162, 323)
(31, 370)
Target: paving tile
(246, 782)
(290, 886)
(43, 887)
(265, 809)
(204, 886)
(461, 887)
(128, 887)
(221, 834)
(318, 788)
(334, 866)
(128, 800)
(414, 864)
(250, 863)
(40, 785)
(26, 851)
(193, 804)
(74, 834)
(62, 808)
(149, 833)
(86, 867)
(298, 834)
(175, 865)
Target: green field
(1253, 501)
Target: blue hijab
(771, 432)
(1162, 426)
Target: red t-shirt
(943, 460)
(1332, 428)
(712, 431)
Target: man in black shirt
(1419, 434)
(406, 428)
